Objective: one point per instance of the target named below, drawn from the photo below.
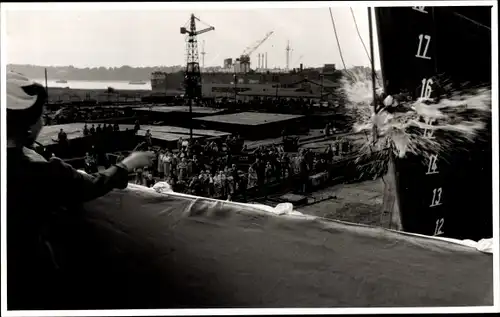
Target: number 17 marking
(423, 54)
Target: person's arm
(75, 187)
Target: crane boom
(205, 30)
(249, 50)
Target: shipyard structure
(242, 83)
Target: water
(90, 84)
(452, 123)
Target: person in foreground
(37, 188)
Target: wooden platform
(164, 136)
(179, 130)
(48, 133)
(250, 118)
(296, 200)
(183, 109)
(252, 125)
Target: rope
(471, 20)
(337, 38)
(359, 35)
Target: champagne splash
(415, 127)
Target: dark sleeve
(75, 187)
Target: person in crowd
(210, 183)
(137, 126)
(149, 180)
(252, 177)
(86, 131)
(90, 164)
(109, 128)
(98, 130)
(159, 164)
(92, 130)
(269, 172)
(236, 176)
(218, 184)
(33, 277)
(148, 137)
(260, 169)
(182, 170)
(139, 175)
(116, 127)
(179, 144)
(230, 181)
(167, 165)
(62, 137)
(223, 181)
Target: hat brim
(24, 103)
(17, 97)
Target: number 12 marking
(439, 226)
(421, 38)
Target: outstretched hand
(138, 159)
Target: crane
(298, 60)
(203, 53)
(245, 56)
(192, 77)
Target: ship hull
(463, 179)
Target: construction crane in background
(288, 55)
(245, 56)
(298, 60)
(192, 76)
(203, 53)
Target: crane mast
(203, 53)
(192, 76)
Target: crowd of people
(220, 169)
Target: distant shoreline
(70, 94)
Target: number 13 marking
(436, 197)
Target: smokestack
(258, 55)
(266, 61)
(301, 66)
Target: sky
(113, 38)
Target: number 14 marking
(432, 167)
